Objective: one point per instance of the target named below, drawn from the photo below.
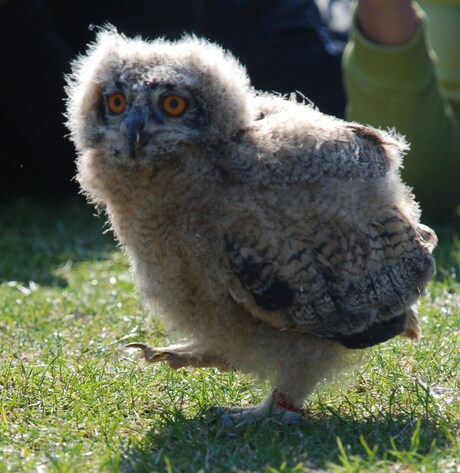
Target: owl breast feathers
(244, 211)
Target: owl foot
(274, 406)
(179, 356)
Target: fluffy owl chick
(271, 236)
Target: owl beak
(135, 123)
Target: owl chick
(271, 236)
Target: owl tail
(412, 329)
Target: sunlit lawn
(71, 400)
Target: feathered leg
(297, 376)
(180, 356)
(285, 403)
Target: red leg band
(280, 399)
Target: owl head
(139, 100)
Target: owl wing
(333, 279)
(342, 256)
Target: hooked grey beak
(135, 123)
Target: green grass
(72, 400)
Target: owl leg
(285, 403)
(179, 356)
(274, 405)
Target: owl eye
(116, 103)
(174, 105)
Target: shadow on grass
(203, 444)
(37, 237)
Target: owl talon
(151, 355)
(275, 407)
(179, 356)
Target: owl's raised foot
(274, 406)
(179, 356)
(152, 355)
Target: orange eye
(116, 102)
(174, 105)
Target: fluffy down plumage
(272, 236)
